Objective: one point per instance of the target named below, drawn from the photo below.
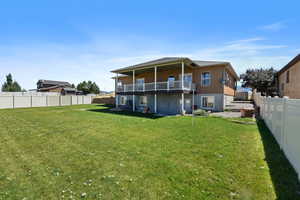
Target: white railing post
(182, 81)
(155, 87)
(182, 75)
(168, 86)
(116, 90)
(133, 90)
(155, 77)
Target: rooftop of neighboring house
(51, 82)
(290, 64)
(175, 60)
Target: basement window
(143, 100)
(123, 100)
(208, 101)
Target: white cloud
(95, 60)
(277, 26)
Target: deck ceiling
(159, 68)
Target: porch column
(155, 95)
(133, 89)
(116, 89)
(182, 84)
(182, 75)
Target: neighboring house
(65, 88)
(175, 85)
(288, 79)
(243, 94)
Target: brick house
(175, 85)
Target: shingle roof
(290, 64)
(209, 63)
(165, 60)
(153, 62)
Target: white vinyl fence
(8, 101)
(282, 116)
(29, 93)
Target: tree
(10, 85)
(88, 87)
(263, 80)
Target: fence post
(283, 130)
(59, 100)
(46, 100)
(31, 101)
(13, 101)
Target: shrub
(200, 112)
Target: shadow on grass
(107, 109)
(283, 175)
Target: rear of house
(175, 85)
(288, 79)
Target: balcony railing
(160, 86)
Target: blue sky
(80, 40)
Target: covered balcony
(168, 86)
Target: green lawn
(88, 152)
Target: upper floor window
(140, 81)
(205, 79)
(171, 81)
(187, 77)
(287, 76)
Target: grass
(89, 152)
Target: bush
(200, 112)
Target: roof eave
(290, 64)
(122, 70)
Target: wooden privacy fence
(42, 101)
(282, 116)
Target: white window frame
(140, 101)
(123, 98)
(214, 102)
(202, 79)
